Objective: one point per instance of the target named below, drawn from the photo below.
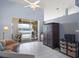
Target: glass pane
(25, 29)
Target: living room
(32, 21)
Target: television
(70, 37)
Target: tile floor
(39, 50)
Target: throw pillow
(1, 46)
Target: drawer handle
(71, 47)
(71, 51)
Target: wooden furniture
(51, 35)
(69, 46)
(63, 46)
(72, 49)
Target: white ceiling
(53, 8)
(23, 2)
(51, 3)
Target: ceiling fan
(32, 5)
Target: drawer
(63, 50)
(72, 48)
(62, 42)
(72, 44)
(63, 45)
(72, 53)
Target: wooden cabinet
(63, 50)
(72, 53)
(69, 48)
(63, 46)
(51, 35)
(72, 49)
(69, 45)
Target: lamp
(5, 29)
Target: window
(25, 29)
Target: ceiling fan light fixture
(32, 5)
(37, 2)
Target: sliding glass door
(25, 30)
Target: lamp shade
(5, 29)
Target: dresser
(69, 46)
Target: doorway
(28, 28)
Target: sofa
(10, 46)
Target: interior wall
(56, 8)
(9, 9)
(68, 24)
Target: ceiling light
(32, 5)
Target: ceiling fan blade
(28, 1)
(37, 6)
(27, 6)
(37, 2)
